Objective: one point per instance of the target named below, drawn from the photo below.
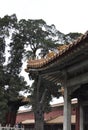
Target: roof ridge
(38, 63)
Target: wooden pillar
(81, 116)
(77, 118)
(67, 110)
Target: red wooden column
(77, 117)
(8, 117)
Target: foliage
(74, 36)
(11, 83)
(35, 35)
(70, 37)
(51, 90)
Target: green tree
(35, 35)
(3, 102)
(11, 83)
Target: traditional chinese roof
(63, 51)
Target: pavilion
(70, 68)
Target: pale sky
(66, 15)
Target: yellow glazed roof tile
(38, 63)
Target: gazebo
(70, 68)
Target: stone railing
(10, 128)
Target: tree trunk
(39, 107)
(39, 118)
